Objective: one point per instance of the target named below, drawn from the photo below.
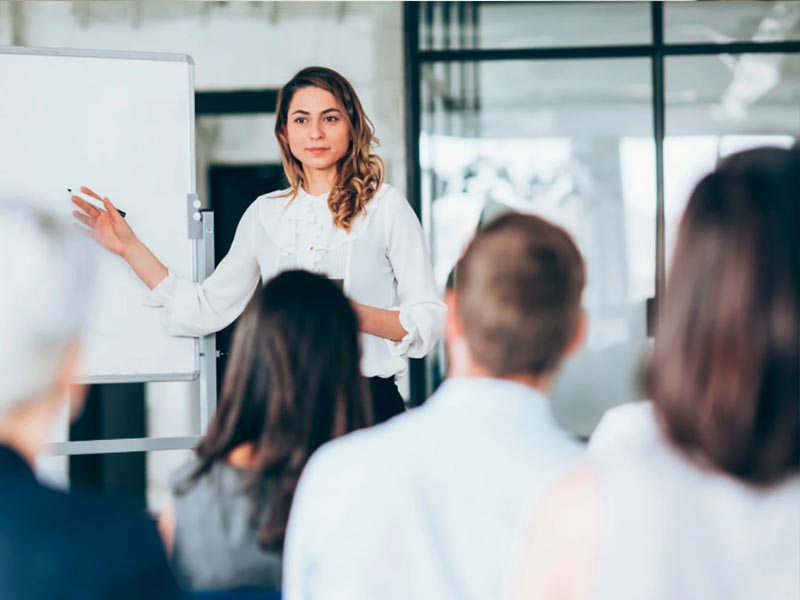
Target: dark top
(72, 546)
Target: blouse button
(311, 247)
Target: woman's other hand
(379, 321)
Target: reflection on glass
(721, 22)
(571, 141)
(458, 25)
(744, 101)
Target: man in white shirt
(428, 505)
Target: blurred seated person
(55, 544)
(292, 384)
(696, 494)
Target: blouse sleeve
(422, 311)
(197, 309)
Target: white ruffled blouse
(383, 262)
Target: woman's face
(317, 129)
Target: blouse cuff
(410, 325)
(164, 293)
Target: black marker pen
(121, 212)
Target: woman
(293, 384)
(699, 496)
(338, 218)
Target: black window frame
(657, 51)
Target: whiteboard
(123, 124)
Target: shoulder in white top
(383, 261)
(624, 428)
(671, 529)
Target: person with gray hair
(42, 303)
(56, 544)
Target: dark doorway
(112, 411)
(232, 188)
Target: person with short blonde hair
(427, 505)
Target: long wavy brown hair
(359, 172)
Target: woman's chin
(317, 164)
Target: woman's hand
(108, 227)
(111, 230)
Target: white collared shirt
(383, 262)
(427, 505)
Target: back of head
(293, 383)
(518, 295)
(47, 272)
(725, 373)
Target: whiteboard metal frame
(123, 54)
(204, 266)
(203, 259)
(207, 348)
(138, 378)
(123, 445)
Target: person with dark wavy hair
(292, 385)
(338, 218)
(696, 494)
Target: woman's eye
(331, 119)
(300, 120)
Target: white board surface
(123, 124)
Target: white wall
(239, 45)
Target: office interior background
(598, 115)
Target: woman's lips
(317, 150)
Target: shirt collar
(301, 193)
(490, 396)
(274, 215)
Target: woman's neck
(318, 182)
